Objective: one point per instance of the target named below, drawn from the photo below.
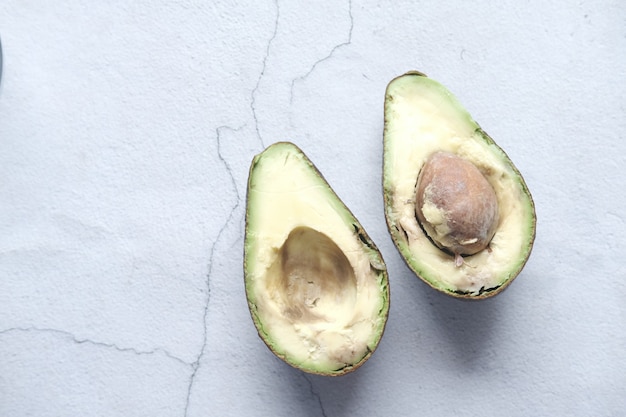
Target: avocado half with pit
(457, 208)
(317, 286)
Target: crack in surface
(82, 341)
(327, 57)
(258, 82)
(315, 394)
(196, 364)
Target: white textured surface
(126, 132)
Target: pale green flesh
(422, 117)
(286, 192)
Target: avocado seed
(456, 205)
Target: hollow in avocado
(316, 284)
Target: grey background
(126, 134)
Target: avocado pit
(456, 205)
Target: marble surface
(126, 134)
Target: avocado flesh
(422, 117)
(316, 285)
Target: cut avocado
(316, 284)
(456, 207)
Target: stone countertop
(126, 135)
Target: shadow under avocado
(467, 328)
(317, 394)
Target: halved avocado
(436, 208)
(317, 286)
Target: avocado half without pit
(316, 284)
(457, 208)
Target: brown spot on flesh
(456, 205)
